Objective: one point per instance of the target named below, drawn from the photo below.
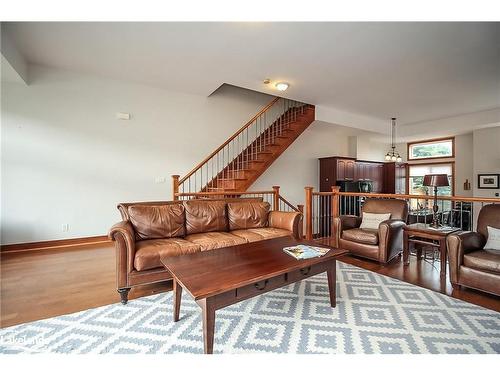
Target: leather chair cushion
(149, 252)
(215, 240)
(259, 234)
(367, 236)
(161, 221)
(483, 260)
(205, 216)
(245, 215)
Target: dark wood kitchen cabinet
(395, 178)
(333, 169)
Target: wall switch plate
(123, 116)
(65, 227)
(160, 180)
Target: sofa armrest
(461, 243)
(291, 221)
(123, 235)
(390, 234)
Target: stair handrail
(250, 122)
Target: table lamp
(435, 181)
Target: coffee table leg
(406, 249)
(177, 300)
(442, 257)
(331, 275)
(208, 318)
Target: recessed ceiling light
(282, 86)
(267, 81)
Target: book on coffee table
(305, 251)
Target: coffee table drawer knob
(262, 285)
(305, 271)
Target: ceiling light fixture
(282, 86)
(393, 155)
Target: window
(434, 148)
(416, 175)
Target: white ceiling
(415, 71)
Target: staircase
(238, 162)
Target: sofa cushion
(205, 216)
(483, 260)
(258, 234)
(161, 221)
(215, 240)
(148, 253)
(367, 236)
(245, 215)
(247, 235)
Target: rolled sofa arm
(123, 235)
(459, 244)
(390, 233)
(291, 221)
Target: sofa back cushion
(246, 215)
(157, 221)
(205, 216)
(398, 208)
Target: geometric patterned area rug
(374, 314)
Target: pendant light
(393, 155)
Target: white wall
(67, 159)
(486, 158)
(298, 166)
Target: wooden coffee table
(222, 277)
(424, 234)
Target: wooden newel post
(335, 201)
(308, 209)
(175, 186)
(276, 198)
(335, 209)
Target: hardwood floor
(41, 284)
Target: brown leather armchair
(381, 245)
(470, 263)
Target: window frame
(453, 177)
(452, 156)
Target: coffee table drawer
(260, 287)
(305, 272)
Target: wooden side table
(424, 234)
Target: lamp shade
(436, 180)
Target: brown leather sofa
(470, 263)
(381, 245)
(152, 229)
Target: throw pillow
(493, 242)
(372, 221)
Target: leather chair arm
(349, 221)
(291, 221)
(461, 243)
(344, 222)
(390, 234)
(123, 235)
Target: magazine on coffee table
(305, 251)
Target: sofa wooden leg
(124, 295)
